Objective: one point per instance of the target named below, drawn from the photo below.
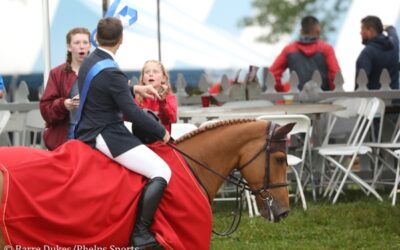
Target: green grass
(354, 222)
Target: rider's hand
(167, 137)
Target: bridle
(263, 192)
(280, 146)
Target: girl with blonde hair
(154, 73)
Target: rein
(230, 178)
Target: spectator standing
(380, 52)
(154, 73)
(60, 99)
(306, 55)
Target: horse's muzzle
(275, 212)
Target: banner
(122, 11)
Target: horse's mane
(213, 126)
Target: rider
(101, 125)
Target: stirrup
(151, 243)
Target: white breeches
(140, 159)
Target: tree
(282, 16)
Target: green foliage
(283, 16)
(356, 222)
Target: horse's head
(256, 148)
(266, 174)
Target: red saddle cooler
(76, 196)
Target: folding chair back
(4, 117)
(34, 126)
(365, 121)
(354, 109)
(381, 115)
(354, 106)
(179, 129)
(22, 92)
(303, 125)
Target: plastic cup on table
(205, 101)
(288, 99)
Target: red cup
(205, 101)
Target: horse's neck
(219, 149)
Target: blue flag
(118, 9)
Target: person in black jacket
(108, 103)
(380, 52)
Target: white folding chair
(334, 154)
(34, 126)
(16, 125)
(22, 92)
(303, 125)
(380, 114)
(4, 117)
(392, 148)
(179, 129)
(338, 126)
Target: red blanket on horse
(77, 196)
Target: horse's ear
(282, 131)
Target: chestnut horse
(256, 148)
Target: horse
(257, 148)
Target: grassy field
(355, 222)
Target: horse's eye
(281, 160)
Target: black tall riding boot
(152, 192)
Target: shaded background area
(196, 36)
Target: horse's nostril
(284, 215)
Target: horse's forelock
(213, 126)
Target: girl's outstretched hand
(146, 91)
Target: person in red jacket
(154, 73)
(59, 97)
(305, 56)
